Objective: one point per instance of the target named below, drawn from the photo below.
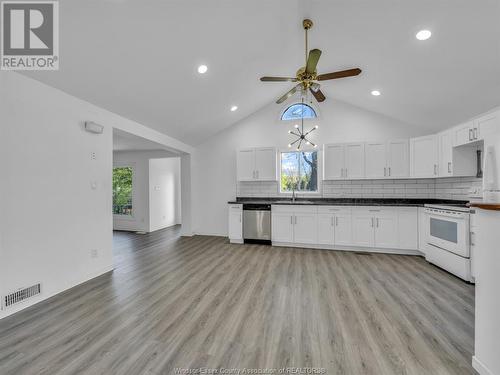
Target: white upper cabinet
(376, 159)
(354, 160)
(398, 159)
(387, 159)
(344, 161)
(424, 157)
(487, 125)
(446, 154)
(455, 161)
(245, 165)
(478, 129)
(256, 164)
(265, 163)
(464, 133)
(334, 162)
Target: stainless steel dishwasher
(257, 223)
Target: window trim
(288, 105)
(131, 165)
(320, 173)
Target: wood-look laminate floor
(200, 302)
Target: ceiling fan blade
(312, 60)
(318, 95)
(278, 79)
(288, 94)
(340, 74)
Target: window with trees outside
(299, 171)
(122, 190)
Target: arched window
(297, 111)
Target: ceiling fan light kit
(307, 76)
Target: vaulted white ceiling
(139, 58)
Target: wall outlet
(94, 253)
(93, 155)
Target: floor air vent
(21, 295)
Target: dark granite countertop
(347, 201)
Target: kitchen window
(299, 170)
(122, 190)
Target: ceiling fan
(307, 76)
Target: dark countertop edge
(417, 202)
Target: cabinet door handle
(346, 172)
(377, 222)
(295, 220)
(435, 169)
(475, 133)
(240, 218)
(385, 171)
(291, 220)
(331, 221)
(389, 171)
(257, 174)
(336, 221)
(372, 222)
(449, 167)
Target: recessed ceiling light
(234, 108)
(423, 35)
(376, 93)
(202, 69)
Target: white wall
(215, 160)
(164, 193)
(51, 217)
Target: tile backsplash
(458, 188)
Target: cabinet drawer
(235, 207)
(294, 208)
(374, 210)
(334, 210)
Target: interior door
(334, 162)
(245, 165)
(265, 164)
(375, 159)
(305, 228)
(398, 158)
(354, 160)
(326, 229)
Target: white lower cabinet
(334, 226)
(386, 229)
(305, 228)
(282, 226)
(236, 222)
(362, 228)
(369, 227)
(294, 224)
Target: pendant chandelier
(300, 134)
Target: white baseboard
(480, 367)
(350, 248)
